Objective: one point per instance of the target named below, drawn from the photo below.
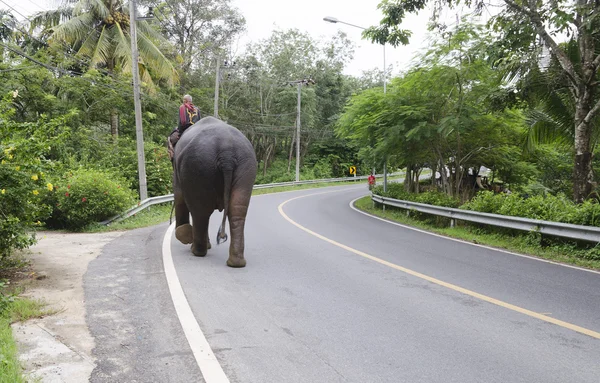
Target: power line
(16, 69)
(14, 9)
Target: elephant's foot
(236, 262)
(208, 245)
(198, 252)
(184, 233)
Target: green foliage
(543, 207)
(22, 181)
(122, 159)
(85, 196)
(396, 190)
(6, 299)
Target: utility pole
(384, 92)
(226, 66)
(217, 88)
(139, 133)
(298, 132)
(299, 83)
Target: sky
(263, 16)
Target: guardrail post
(452, 222)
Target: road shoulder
(58, 348)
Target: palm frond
(50, 19)
(542, 128)
(146, 78)
(98, 49)
(122, 47)
(160, 65)
(75, 30)
(97, 7)
(152, 34)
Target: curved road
(332, 295)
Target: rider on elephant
(189, 114)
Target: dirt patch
(58, 348)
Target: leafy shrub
(22, 187)
(544, 207)
(86, 196)
(122, 159)
(159, 171)
(396, 190)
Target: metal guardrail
(169, 197)
(586, 233)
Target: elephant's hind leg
(238, 208)
(201, 244)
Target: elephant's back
(211, 135)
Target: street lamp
(333, 20)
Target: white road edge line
(208, 363)
(466, 242)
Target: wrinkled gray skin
(214, 168)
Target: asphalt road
(308, 309)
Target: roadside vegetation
(14, 309)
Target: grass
(528, 243)
(19, 309)
(148, 217)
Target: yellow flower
(3, 162)
(34, 177)
(10, 156)
(3, 191)
(17, 168)
(35, 192)
(49, 186)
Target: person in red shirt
(371, 181)
(189, 114)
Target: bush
(396, 190)
(543, 207)
(22, 187)
(122, 159)
(87, 196)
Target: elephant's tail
(227, 178)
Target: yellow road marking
(450, 286)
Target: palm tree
(98, 31)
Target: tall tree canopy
(526, 28)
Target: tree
(440, 115)
(99, 32)
(196, 27)
(522, 25)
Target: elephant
(214, 167)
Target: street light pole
(333, 20)
(139, 133)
